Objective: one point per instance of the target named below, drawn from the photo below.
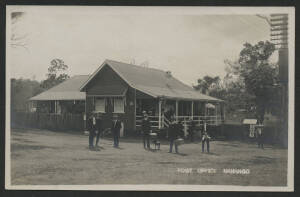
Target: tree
(258, 74)
(236, 97)
(207, 84)
(21, 91)
(56, 74)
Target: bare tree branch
(264, 17)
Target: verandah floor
(42, 157)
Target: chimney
(168, 74)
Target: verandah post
(85, 115)
(216, 112)
(192, 110)
(204, 112)
(134, 119)
(159, 113)
(176, 110)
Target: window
(118, 105)
(100, 104)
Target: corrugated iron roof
(155, 82)
(67, 90)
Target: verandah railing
(154, 120)
(186, 120)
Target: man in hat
(205, 138)
(260, 137)
(115, 128)
(173, 133)
(146, 127)
(98, 128)
(92, 130)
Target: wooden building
(61, 99)
(127, 90)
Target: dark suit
(260, 138)
(92, 131)
(146, 127)
(115, 128)
(173, 133)
(98, 128)
(191, 130)
(205, 138)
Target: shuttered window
(118, 105)
(99, 104)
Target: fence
(47, 121)
(271, 134)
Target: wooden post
(216, 112)
(162, 114)
(134, 110)
(223, 106)
(176, 110)
(55, 107)
(204, 111)
(192, 110)
(85, 114)
(159, 113)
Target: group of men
(175, 132)
(94, 126)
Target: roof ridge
(138, 66)
(172, 77)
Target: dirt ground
(40, 157)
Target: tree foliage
(258, 74)
(207, 83)
(249, 81)
(21, 91)
(56, 74)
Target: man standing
(98, 129)
(116, 126)
(173, 128)
(260, 137)
(92, 130)
(205, 138)
(146, 127)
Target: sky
(189, 44)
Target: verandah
(160, 112)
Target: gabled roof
(67, 90)
(154, 82)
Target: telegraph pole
(279, 36)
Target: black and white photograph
(149, 98)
